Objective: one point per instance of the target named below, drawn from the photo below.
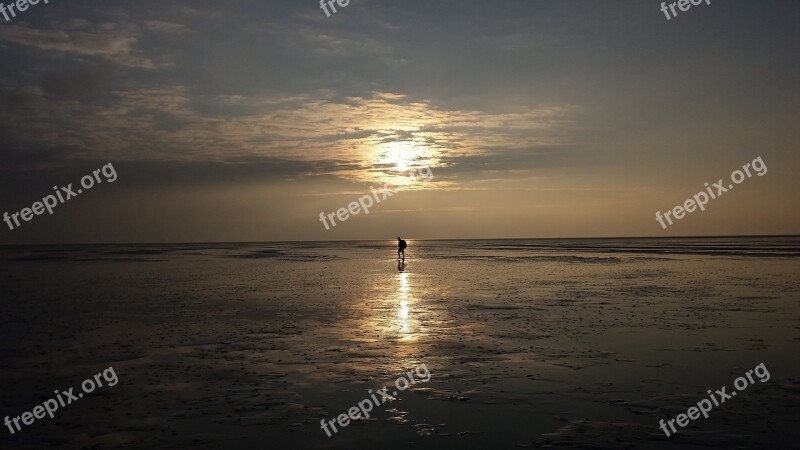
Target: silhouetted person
(401, 248)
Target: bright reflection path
(404, 313)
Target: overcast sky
(243, 120)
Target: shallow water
(581, 343)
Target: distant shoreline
(412, 239)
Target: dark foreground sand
(249, 346)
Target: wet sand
(583, 344)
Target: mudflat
(529, 343)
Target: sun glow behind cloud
(374, 139)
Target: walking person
(401, 248)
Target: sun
(400, 153)
(396, 162)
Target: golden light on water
(404, 312)
(403, 316)
(394, 309)
(403, 284)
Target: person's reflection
(401, 266)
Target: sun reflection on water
(404, 313)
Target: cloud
(366, 138)
(163, 27)
(77, 83)
(111, 41)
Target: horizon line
(413, 239)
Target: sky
(245, 120)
